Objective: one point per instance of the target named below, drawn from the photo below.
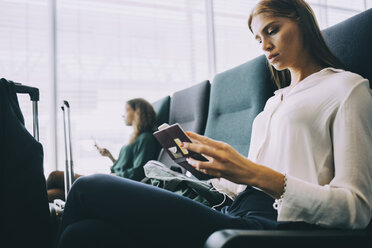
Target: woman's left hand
(224, 161)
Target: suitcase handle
(32, 91)
(69, 171)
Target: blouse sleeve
(346, 202)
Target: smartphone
(95, 142)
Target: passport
(170, 138)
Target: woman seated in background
(142, 147)
(309, 164)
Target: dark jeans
(109, 211)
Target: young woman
(142, 147)
(309, 163)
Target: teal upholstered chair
(189, 108)
(161, 107)
(237, 96)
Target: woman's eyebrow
(267, 26)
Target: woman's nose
(266, 45)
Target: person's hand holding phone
(223, 159)
(104, 152)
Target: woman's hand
(106, 153)
(225, 161)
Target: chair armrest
(230, 238)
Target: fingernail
(189, 161)
(187, 132)
(181, 145)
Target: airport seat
(161, 107)
(237, 96)
(189, 108)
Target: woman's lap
(142, 211)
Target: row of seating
(188, 107)
(223, 110)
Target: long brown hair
(300, 12)
(144, 117)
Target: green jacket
(133, 157)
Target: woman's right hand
(104, 152)
(224, 161)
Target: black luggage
(69, 167)
(57, 207)
(24, 208)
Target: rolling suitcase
(69, 167)
(25, 216)
(59, 204)
(34, 98)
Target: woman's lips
(272, 57)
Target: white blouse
(319, 133)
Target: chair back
(351, 41)
(161, 107)
(237, 96)
(189, 108)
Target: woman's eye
(273, 31)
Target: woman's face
(129, 115)
(281, 40)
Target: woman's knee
(82, 180)
(99, 184)
(89, 182)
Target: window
(112, 51)
(234, 42)
(24, 58)
(330, 12)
